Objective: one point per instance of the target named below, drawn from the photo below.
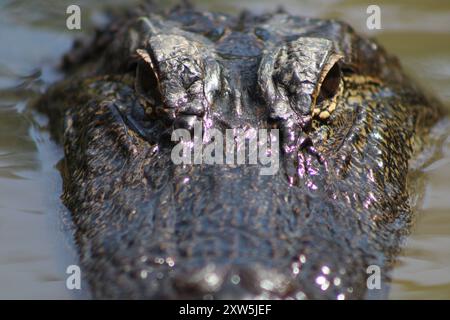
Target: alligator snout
(319, 270)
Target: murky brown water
(34, 247)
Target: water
(35, 248)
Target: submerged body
(349, 121)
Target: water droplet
(170, 261)
(267, 285)
(235, 279)
(212, 279)
(302, 258)
(300, 296)
(325, 270)
(337, 281)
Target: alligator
(349, 122)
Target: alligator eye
(328, 91)
(330, 84)
(146, 81)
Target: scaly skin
(350, 121)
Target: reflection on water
(33, 243)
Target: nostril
(212, 282)
(200, 283)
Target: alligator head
(331, 110)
